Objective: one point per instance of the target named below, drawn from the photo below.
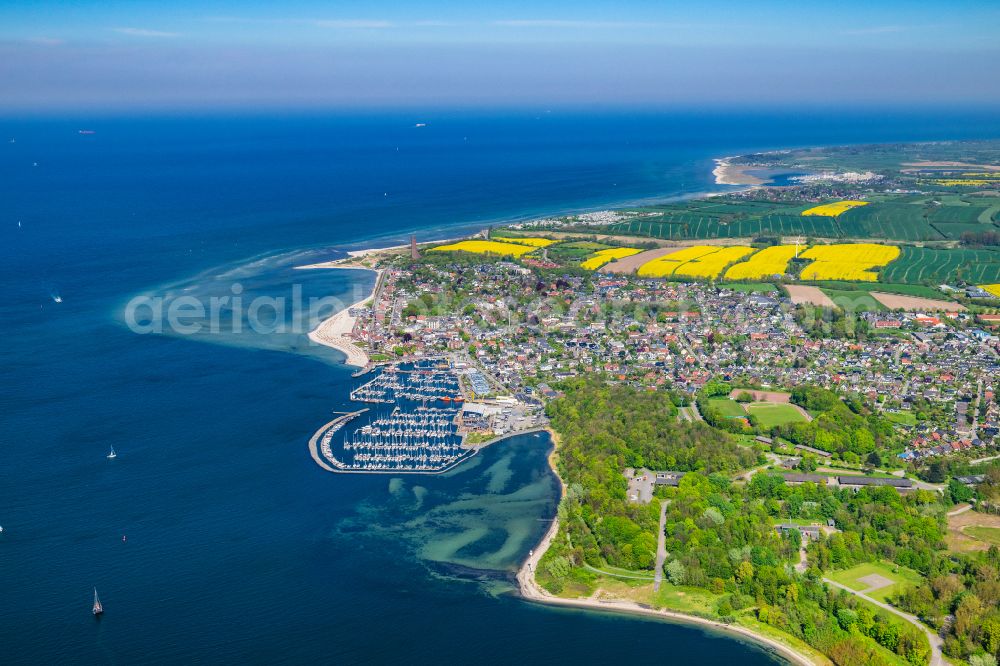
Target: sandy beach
(731, 174)
(531, 590)
(336, 331)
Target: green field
(935, 265)
(770, 414)
(888, 288)
(901, 578)
(853, 300)
(752, 287)
(903, 418)
(954, 231)
(956, 214)
(728, 408)
(897, 221)
(987, 534)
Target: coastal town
(512, 336)
(855, 420)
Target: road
(661, 547)
(960, 510)
(937, 659)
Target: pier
(412, 425)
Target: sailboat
(112, 455)
(98, 608)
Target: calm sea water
(240, 549)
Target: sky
(187, 54)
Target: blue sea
(239, 548)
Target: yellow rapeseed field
(486, 247)
(533, 242)
(992, 288)
(602, 257)
(847, 261)
(710, 265)
(834, 209)
(962, 182)
(768, 262)
(668, 263)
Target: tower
(414, 254)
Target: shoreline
(335, 331)
(727, 173)
(531, 591)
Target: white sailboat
(112, 455)
(98, 608)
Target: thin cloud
(337, 23)
(559, 23)
(143, 32)
(875, 30)
(352, 24)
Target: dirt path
(661, 547)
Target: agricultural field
(602, 257)
(770, 414)
(834, 208)
(918, 290)
(807, 294)
(954, 230)
(991, 288)
(526, 240)
(956, 214)
(665, 265)
(755, 287)
(853, 300)
(893, 221)
(713, 263)
(847, 262)
(486, 247)
(900, 302)
(878, 580)
(769, 262)
(936, 265)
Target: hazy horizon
(309, 55)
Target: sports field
(769, 414)
(728, 408)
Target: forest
(721, 536)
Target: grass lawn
(728, 408)
(853, 300)
(987, 534)
(751, 287)
(770, 414)
(903, 418)
(901, 578)
(686, 599)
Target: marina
(412, 426)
